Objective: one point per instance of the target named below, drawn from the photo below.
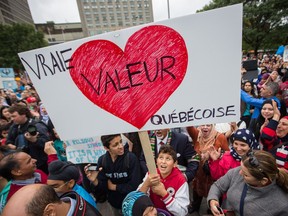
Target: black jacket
(127, 177)
(35, 150)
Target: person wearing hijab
(243, 142)
(204, 137)
(274, 137)
(266, 114)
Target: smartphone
(92, 168)
(220, 209)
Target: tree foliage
(18, 38)
(265, 22)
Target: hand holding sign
(120, 82)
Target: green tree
(265, 22)
(18, 38)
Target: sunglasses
(253, 161)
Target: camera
(32, 130)
(92, 168)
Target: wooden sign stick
(146, 146)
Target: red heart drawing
(134, 84)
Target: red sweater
(39, 178)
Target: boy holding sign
(118, 172)
(168, 188)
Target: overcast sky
(61, 11)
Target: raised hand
(276, 111)
(49, 148)
(214, 154)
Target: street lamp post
(168, 5)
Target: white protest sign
(285, 54)
(86, 150)
(173, 73)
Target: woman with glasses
(257, 187)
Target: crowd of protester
(239, 167)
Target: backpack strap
(81, 204)
(82, 207)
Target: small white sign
(86, 150)
(285, 54)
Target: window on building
(51, 39)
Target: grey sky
(61, 11)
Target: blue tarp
(280, 50)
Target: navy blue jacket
(126, 177)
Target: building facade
(100, 16)
(60, 32)
(15, 11)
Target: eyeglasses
(60, 186)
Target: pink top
(220, 167)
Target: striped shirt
(277, 146)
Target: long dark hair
(252, 85)
(260, 120)
(1, 113)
